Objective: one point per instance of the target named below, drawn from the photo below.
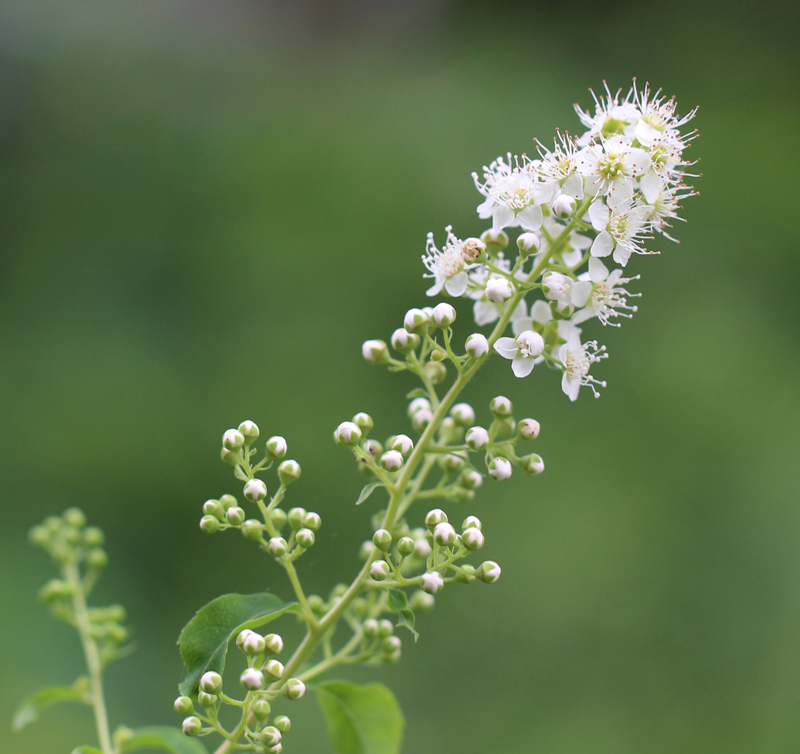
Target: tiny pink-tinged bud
(444, 315)
(432, 583)
(252, 679)
(255, 490)
(374, 351)
(233, 439)
(500, 468)
(476, 438)
(392, 460)
(563, 206)
(348, 433)
(528, 429)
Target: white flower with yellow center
(612, 167)
(511, 194)
(612, 116)
(525, 351)
(657, 117)
(558, 170)
(602, 294)
(620, 230)
(448, 266)
(576, 358)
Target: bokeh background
(207, 206)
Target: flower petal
(502, 217)
(531, 217)
(506, 347)
(485, 312)
(522, 366)
(598, 215)
(457, 284)
(603, 245)
(541, 312)
(598, 272)
(581, 292)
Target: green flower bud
(470, 479)
(75, 517)
(488, 572)
(282, 723)
(243, 634)
(253, 644)
(528, 243)
(294, 689)
(452, 462)
(53, 524)
(288, 472)
(274, 668)
(251, 529)
(273, 644)
(235, 515)
(403, 444)
(438, 355)
(192, 726)
(421, 602)
(71, 536)
(214, 508)
(466, 575)
(347, 434)
(393, 657)
(444, 535)
(96, 558)
(276, 447)
(252, 679)
(316, 603)
(375, 351)
(229, 456)
(472, 539)
(532, 464)
(255, 490)
(421, 419)
(359, 607)
(404, 341)
(305, 538)
(338, 591)
(443, 315)
(39, 536)
(391, 644)
(249, 430)
(436, 371)
(500, 406)
(270, 736)
(312, 521)
(277, 546)
(435, 517)
(380, 570)
(506, 428)
(385, 628)
(233, 439)
(392, 460)
(278, 518)
(415, 321)
(363, 422)
(471, 522)
(463, 495)
(370, 628)
(211, 682)
(463, 414)
(382, 539)
(206, 700)
(373, 447)
(226, 501)
(261, 709)
(54, 590)
(367, 548)
(296, 518)
(122, 736)
(495, 240)
(405, 546)
(528, 429)
(183, 705)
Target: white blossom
(498, 290)
(576, 358)
(558, 169)
(612, 167)
(525, 351)
(602, 294)
(511, 194)
(612, 116)
(448, 266)
(620, 230)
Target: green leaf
(417, 392)
(86, 750)
(406, 619)
(397, 599)
(204, 639)
(36, 703)
(165, 738)
(368, 490)
(361, 719)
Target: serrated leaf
(86, 750)
(164, 738)
(406, 619)
(361, 719)
(204, 639)
(368, 490)
(397, 599)
(30, 708)
(417, 392)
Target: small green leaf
(417, 392)
(204, 639)
(406, 619)
(368, 490)
(36, 703)
(86, 750)
(361, 719)
(164, 738)
(397, 599)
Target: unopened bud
(415, 321)
(422, 548)
(288, 472)
(563, 206)
(495, 240)
(296, 518)
(421, 419)
(255, 490)
(488, 572)
(249, 430)
(391, 644)
(366, 550)
(276, 447)
(370, 628)
(305, 538)
(444, 315)
(294, 689)
(40, 536)
(436, 371)
(253, 644)
(347, 433)
(444, 535)
(432, 583)
(277, 546)
(463, 414)
(452, 462)
(214, 508)
(505, 428)
(532, 464)
(470, 479)
(385, 627)
(405, 546)
(273, 643)
(261, 709)
(374, 351)
(498, 290)
(364, 421)
(418, 404)
(206, 700)
(404, 341)
(75, 517)
(282, 723)
(183, 705)
(476, 438)
(528, 243)
(211, 682)
(392, 460)
(465, 574)
(380, 570)
(235, 515)
(229, 456)
(312, 521)
(435, 517)
(500, 468)
(403, 444)
(252, 679)
(270, 736)
(278, 518)
(528, 429)
(191, 726)
(473, 539)
(233, 439)
(97, 558)
(209, 524)
(500, 406)
(94, 537)
(477, 345)
(382, 539)
(438, 355)
(226, 501)
(471, 522)
(274, 668)
(421, 602)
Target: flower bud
(528, 429)
(364, 421)
(528, 243)
(444, 535)
(463, 414)
(296, 518)
(366, 550)
(432, 583)
(206, 700)
(477, 345)
(211, 682)
(282, 723)
(273, 643)
(94, 537)
(471, 522)
(249, 430)
(209, 524)
(338, 591)
(233, 439)
(434, 518)
(359, 607)
(444, 315)
(312, 521)
(39, 536)
(277, 546)
(374, 351)
(421, 602)
(466, 574)
(392, 460)
(473, 539)
(500, 406)
(391, 644)
(274, 668)
(191, 726)
(452, 462)
(226, 501)
(288, 472)
(500, 468)
(235, 515)
(418, 404)
(495, 240)
(476, 438)
(294, 689)
(347, 433)
(438, 355)
(532, 464)
(370, 628)
(498, 290)
(488, 572)
(415, 321)
(279, 518)
(421, 419)
(405, 546)
(243, 634)
(276, 447)
(505, 428)
(214, 508)
(183, 705)
(252, 679)
(253, 644)
(380, 570)
(75, 517)
(385, 628)
(305, 538)
(470, 479)
(382, 539)
(255, 490)
(270, 736)
(563, 206)
(436, 371)
(261, 709)
(97, 558)
(403, 444)
(229, 456)
(404, 341)
(422, 548)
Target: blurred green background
(207, 206)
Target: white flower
(498, 290)
(557, 287)
(620, 230)
(500, 468)
(541, 314)
(558, 169)
(525, 351)
(665, 207)
(610, 168)
(432, 583)
(657, 117)
(511, 194)
(477, 345)
(611, 117)
(448, 266)
(576, 358)
(602, 294)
